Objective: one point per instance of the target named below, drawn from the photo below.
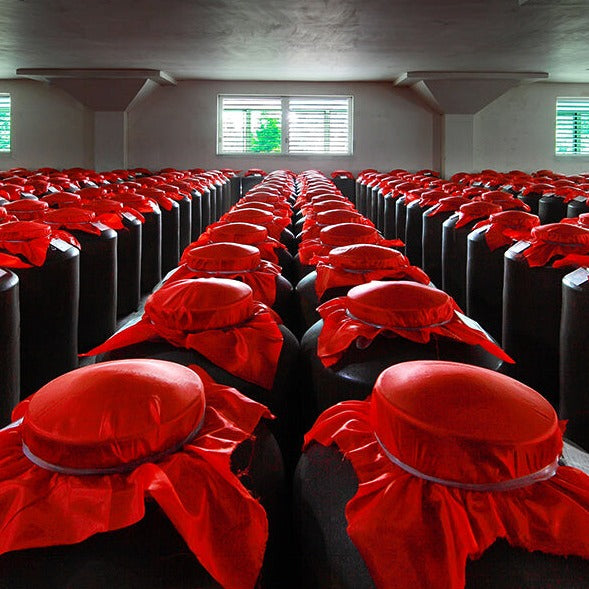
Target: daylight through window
(285, 125)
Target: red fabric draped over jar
(24, 244)
(352, 265)
(245, 233)
(507, 227)
(557, 240)
(394, 309)
(448, 204)
(341, 234)
(450, 458)
(274, 224)
(62, 199)
(73, 219)
(234, 261)
(91, 445)
(475, 210)
(217, 318)
(27, 209)
(111, 212)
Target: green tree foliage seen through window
(4, 122)
(267, 137)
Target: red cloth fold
(507, 227)
(193, 484)
(505, 431)
(73, 219)
(25, 243)
(556, 240)
(246, 233)
(140, 203)
(448, 204)
(475, 210)
(342, 173)
(394, 309)
(217, 318)
(234, 261)
(358, 264)
(27, 209)
(62, 199)
(274, 224)
(338, 235)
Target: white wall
(516, 131)
(49, 128)
(177, 125)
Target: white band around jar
(509, 485)
(120, 469)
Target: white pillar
(110, 140)
(457, 144)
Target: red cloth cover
(73, 219)
(160, 196)
(274, 224)
(5, 217)
(27, 209)
(110, 212)
(231, 260)
(29, 240)
(506, 227)
(62, 199)
(504, 200)
(475, 210)
(352, 265)
(216, 317)
(465, 425)
(140, 203)
(394, 309)
(556, 239)
(343, 173)
(338, 235)
(95, 442)
(448, 204)
(246, 233)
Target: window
(4, 122)
(572, 126)
(284, 125)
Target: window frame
(4, 152)
(576, 137)
(285, 110)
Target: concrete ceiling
(327, 40)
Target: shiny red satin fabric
(338, 235)
(246, 233)
(73, 219)
(25, 243)
(27, 209)
(193, 485)
(393, 309)
(475, 210)
(556, 240)
(217, 318)
(397, 519)
(507, 227)
(274, 224)
(448, 204)
(234, 261)
(361, 263)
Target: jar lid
(223, 257)
(200, 304)
(348, 233)
(247, 233)
(462, 423)
(366, 256)
(113, 415)
(416, 305)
